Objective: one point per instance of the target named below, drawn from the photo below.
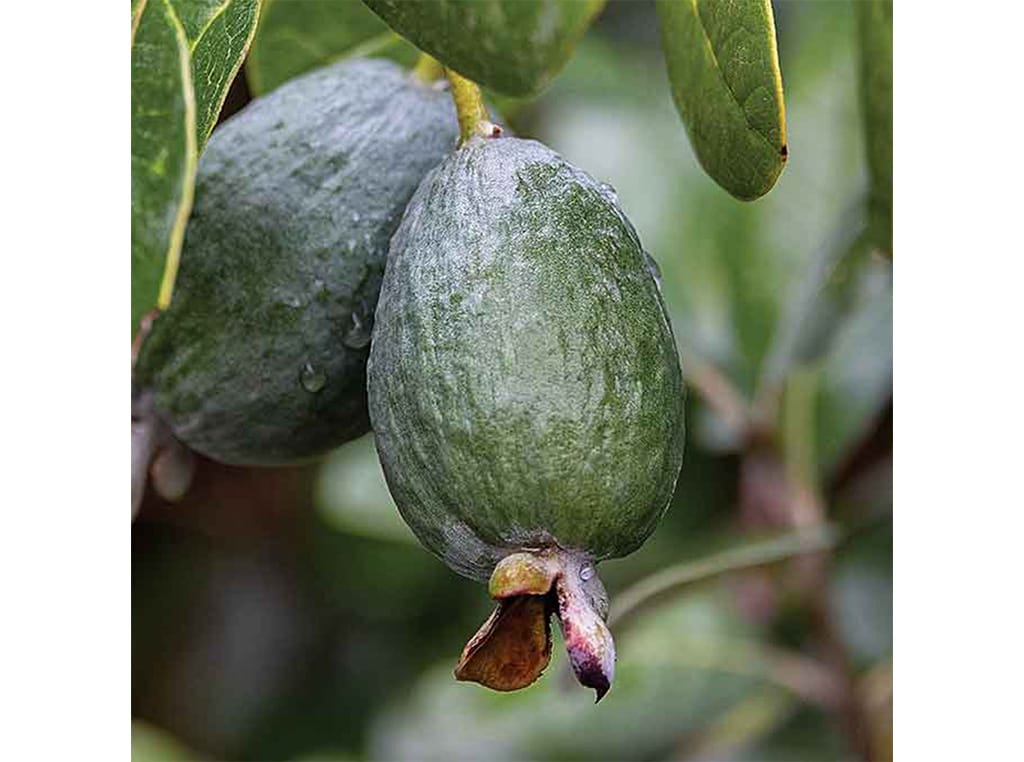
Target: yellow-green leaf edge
(197, 128)
(209, 120)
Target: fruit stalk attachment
(427, 69)
(469, 105)
(513, 647)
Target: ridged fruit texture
(525, 389)
(261, 356)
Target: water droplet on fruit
(653, 269)
(311, 378)
(587, 572)
(608, 191)
(355, 216)
(358, 334)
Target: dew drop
(608, 191)
(311, 378)
(358, 334)
(587, 572)
(653, 269)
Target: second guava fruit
(261, 357)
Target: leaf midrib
(209, 22)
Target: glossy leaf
(185, 53)
(219, 33)
(295, 36)
(874, 20)
(724, 67)
(514, 47)
(164, 152)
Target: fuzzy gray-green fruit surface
(525, 389)
(261, 356)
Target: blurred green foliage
(317, 628)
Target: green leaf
(724, 68)
(185, 53)
(514, 47)
(164, 152)
(219, 33)
(137, 6)
(295, 36)
(874, 21)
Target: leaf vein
(721, 75)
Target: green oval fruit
(512, 46)
(261, 356)
(525, 389)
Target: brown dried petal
(512, 648)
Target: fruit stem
(469, 105)
(427, 69)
